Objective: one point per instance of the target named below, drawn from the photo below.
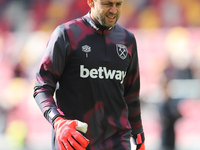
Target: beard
(102, 21)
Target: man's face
(106, 12)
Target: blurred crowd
(40, 15)
(168, 37)
(170, 85)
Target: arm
(131, 94)
(50, 70)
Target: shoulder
(125, 32)
(73, 24)
(69, 25)
(128, 36)
(69, 28)
(119, 27)
(73, 28)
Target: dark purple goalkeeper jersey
(94, 71)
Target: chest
(96, 50)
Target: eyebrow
(108, 1)
(119, 2)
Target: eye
(107, 4)
(119, 4)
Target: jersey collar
(97, 27)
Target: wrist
(54, 114)
(139, 141)
(139, 138)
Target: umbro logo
(121, 51)
(86, 49)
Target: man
(92, 64)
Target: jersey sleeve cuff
(53, 114)
(139, 138)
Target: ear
(90, 3)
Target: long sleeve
(50, 70)
(131, 94)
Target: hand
(67, 136)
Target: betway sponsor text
(102, 73)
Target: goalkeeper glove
(139, 140)
(67, 136)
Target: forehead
(111, 1)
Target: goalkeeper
(91, 65)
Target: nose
(113, 9)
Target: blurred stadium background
(168, 37)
